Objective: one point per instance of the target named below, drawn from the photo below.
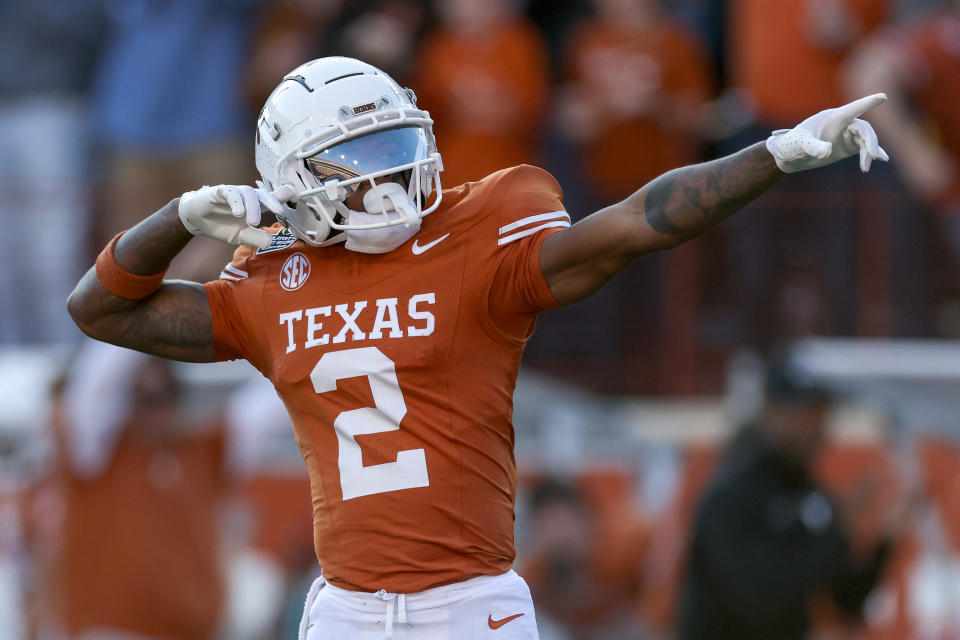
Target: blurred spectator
(555, 18)
(638, 81)
(385, 33)
(47, 50)
(169, 111)
(25, 514)
(706, 17)
(768, 542)
(483, 75)
(288, 33)
(141, 485)
(632, 108)
(788, 55)
(583, 568)
(273, 553)
(919, 69)
(664, 562)
(794, 265)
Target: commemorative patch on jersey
(279, 241)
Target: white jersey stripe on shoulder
(528, 232)
(229, 276)
(553, 215)
(237, 272)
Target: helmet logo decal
(294, 272)
(363, 108)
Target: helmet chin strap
(387, 199)
(390, 196)
(384, 201)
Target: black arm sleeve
(852, 583)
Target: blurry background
(124, 480)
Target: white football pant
(488, 608)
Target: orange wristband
(121, 282)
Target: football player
(391, 314)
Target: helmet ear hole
(308, 209)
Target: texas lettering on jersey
(398, 373)
(305, 327)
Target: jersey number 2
(356, 480)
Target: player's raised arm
(683, 203)
(124, 300)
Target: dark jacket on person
(765, 540)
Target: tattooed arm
(673, 208)
(174, 322)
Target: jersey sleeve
(233, 337)
(529, 209)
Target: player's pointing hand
(231, 213)
(831, 135)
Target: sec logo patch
(294, 272)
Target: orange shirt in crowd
(930, 544)
(615, 69)
(933, 52)
(486, 94)
(139, 547)
(589, 577)
(778, 56)
(398, 371)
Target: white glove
(831, 135)
(231, 213)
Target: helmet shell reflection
(373, 153)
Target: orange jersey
(487, 96)
(607, 61)
(139, 549)
(398, 372)
(777, 58)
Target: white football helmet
(334, 123)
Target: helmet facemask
(396, 170)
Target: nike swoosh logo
(418, 249)
(496, 624)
